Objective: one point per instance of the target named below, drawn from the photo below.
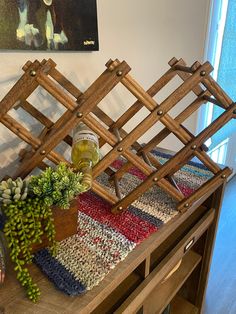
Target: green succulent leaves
(11, 190)
(27, 207)
(57, 187)
(27, 220)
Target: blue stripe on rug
(145, 216)
(58, 274)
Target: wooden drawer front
(133, 303)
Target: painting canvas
(48, 25)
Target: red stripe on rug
(117, 164)
(186, 190)
(134, 171)
(131, 226)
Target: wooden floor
(221, 291)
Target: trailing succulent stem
(26, 214)
(26, 221)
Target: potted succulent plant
(28, 207)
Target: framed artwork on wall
(48, 25)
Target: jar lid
(47, 2)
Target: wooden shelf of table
(149, 288)
(127, 288)
(118, 296)
(165, 291)
(181, 306)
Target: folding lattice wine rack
(84, 107)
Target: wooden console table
(136, 285)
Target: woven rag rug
(104, 239)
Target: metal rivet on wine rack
(119, 73)
(159, 112)
(42, 152)
(79, 114)
(32, 73)
(120, 149)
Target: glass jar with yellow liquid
(85, 152)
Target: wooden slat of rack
(129, 155)
(138, 162)
(26, 136)
(152, 91)
(110, 123)
(164, 133)
(68, 120)
(146, 169)
(80, 106)
(153, 117)
(55, 157)
(123, 119)
(171, 124)
(126, 142)
(197, 90)
(60, 78)
(57, 92)
(24, 86)
(139, 92)
(63, 81)
(213, 183)
(177, 161)
(207, 161)
(175, 96)
(110, 198)
(213, 88)
(20, 131)
(41, 118)
(217, 91)
(213, 101)
(183, 68)
(36, 113)
(185, 114)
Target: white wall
(145, 33)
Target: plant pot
(65, 221)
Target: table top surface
(12, 295)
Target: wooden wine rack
(84, 107)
